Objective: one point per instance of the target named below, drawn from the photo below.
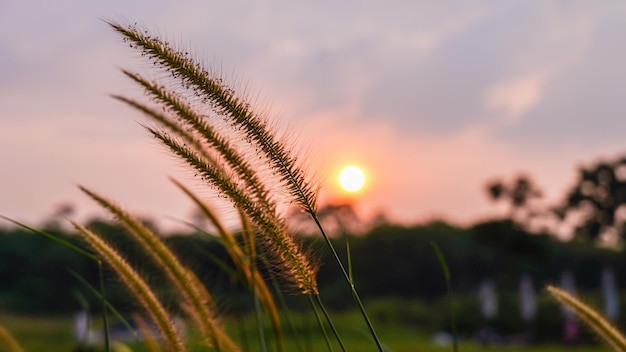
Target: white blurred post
(488, 299)
(570, 328)
(528, 303)
(609, 294)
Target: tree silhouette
(518, 193)
(597, 199)
(337, 219)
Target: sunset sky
(430, 99)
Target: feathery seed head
(238, 181)
(136, 285)
(225, 102)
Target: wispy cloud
(433, 97)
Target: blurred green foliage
(395, 269)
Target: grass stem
(447, 276)
(320, 323)
(105, 315)
(330, 322)
(355, 294)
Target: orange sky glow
(431, 100)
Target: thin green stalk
(195, 79)
(349, 255)
(243, 335)
(84, 253)
(309, 333)
(447, 276)
(247, 232)
(330, 322)
(54, 238)
(283, 304)
(137, 286)
(105, 315)
(259, 287)
(355, 294)
(320, 323)
(179, 276)
(108, 305)
(259, 319)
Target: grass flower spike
(8, 341)
(593, 319)
(137, 286)
(183, 279)
(193, 138)
(223, 100)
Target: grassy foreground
(44, 333)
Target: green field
(55, 334)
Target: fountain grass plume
(187, 117)
(223, 100)
(146, 334)
(167, 124)
(295, 266)
(237, 254)
(8, 341)
(182, 278)
(221, 230)
(138, 287)
(239, 258)
(194, 79)
(592, 318)
(225, 104)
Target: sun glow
(351, 179)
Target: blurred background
(432, 100)
(492, 128)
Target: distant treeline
(38, 275)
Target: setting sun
(351, 178)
